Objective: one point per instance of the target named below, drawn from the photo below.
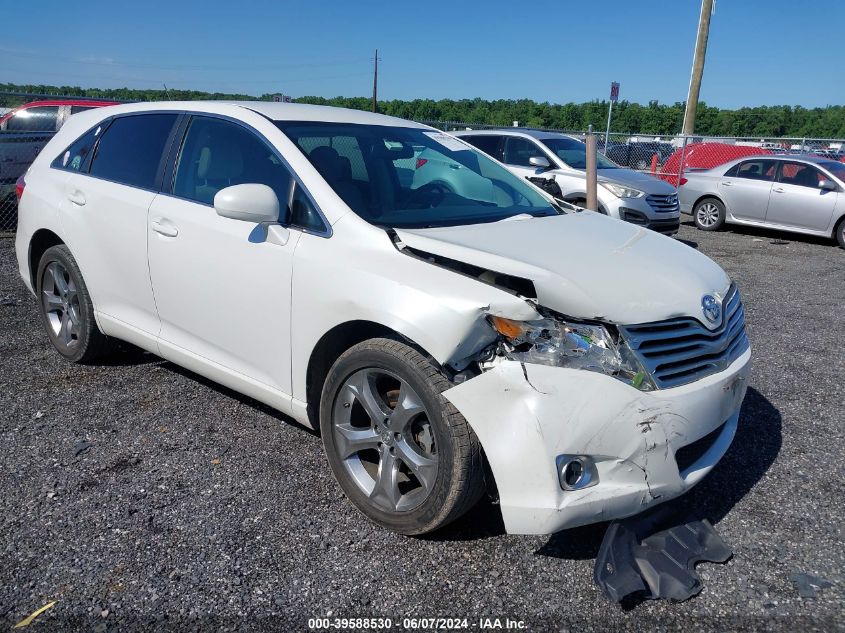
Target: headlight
(622, 192)
(569, 344)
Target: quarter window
(217, 154)
(37, 119)
(77, 156)
(131, 149)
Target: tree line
(654, 118)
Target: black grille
(664, 204)
(680, 351)
(687, 455)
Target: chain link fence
(663, 156)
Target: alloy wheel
(60, 302)
(385, 440)
(707, 214)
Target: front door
(221, 287)
(798, 201)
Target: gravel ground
(138, 495)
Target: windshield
(574, 153)
(835, 168)
(412, 177)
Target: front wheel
(709, 214)
(401, 452)
(840, 233)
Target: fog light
(576, 472)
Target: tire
(412, 468)
(839, 233)
(65, 308)
(709, 214)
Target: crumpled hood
(586, 265)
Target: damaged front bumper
(646, 447)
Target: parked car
(803, 194)
(638, 156)
(431, 337)
(622, 193)
(705, 156)
(23, 133)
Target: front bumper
(527, 415)
(638, 211)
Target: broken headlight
(562, 343)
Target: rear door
(745, 188)
(105, 218)
(798, 201)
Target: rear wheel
(402, 453)
(709, 214)
(840, 232)
(66, 309)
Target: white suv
(283, 251)
(623, 193)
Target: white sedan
(590, 367)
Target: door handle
(779, 190)
(168, 230)
(726, 184)
(76, 197)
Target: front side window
(450, 183)
(800, 174)
(520, 151)
(131, 149)
(836, 168)
(217, 154)
(574, 153)
(78, 108)
(36, 119)
(77, 156)
(487, 143)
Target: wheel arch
(704, 197)
(334, 343)
(838, 223)
(41, 240)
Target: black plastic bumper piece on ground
(653, 555)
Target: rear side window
(76, 109)
(487, 143)
(217, 154)
(37, 119)
(77, 156)
(755, 170)
(131, 149)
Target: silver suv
(547, 156)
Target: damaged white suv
(591, 368)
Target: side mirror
(249, 202)
(540, 162)
(828, 185)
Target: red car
(46, 116)
(705, 156)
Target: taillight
(19, 187)
(421, 162)
(684, 181)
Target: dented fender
(526, 415)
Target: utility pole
(375, 83)
(697, 66)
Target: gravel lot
(138, 495)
